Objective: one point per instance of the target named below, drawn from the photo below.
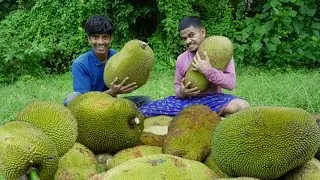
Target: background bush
(44, 36)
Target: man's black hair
(189, 21)
(98, 24)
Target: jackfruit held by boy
(55, 120)
(190, 133)
(135, 60)
(159, 166)
(105, 123)
(24, 148)
(133, 153)
(220, 51)
(308, 171)
(265, 142)
(155, 130)
(79, 163)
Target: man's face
(100, 43)
(192, 37)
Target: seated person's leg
(70, 97)
(234, 106)
(139, 100)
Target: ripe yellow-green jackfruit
(79, 163)
(160, 166)
(23, 147)
(133, 153)
(220, 51)
(55, 120)
(265, 142)
(134, 60)
(106, 124)
(190, 133)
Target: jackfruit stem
(134, 121)
(143, 45)
(33, 174)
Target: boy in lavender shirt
(193, 34)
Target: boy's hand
(116, 89)
(186, 91)
(200, 64)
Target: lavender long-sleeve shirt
(217, 78)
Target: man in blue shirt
(87, 69)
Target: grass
(292, 89)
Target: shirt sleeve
(81, 78)
(226, 79)
(178, 78)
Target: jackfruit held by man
(105, 123)
(265, 142)
(25, 148)
(55, 120)
(135, 61)
(219, 50)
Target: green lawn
(294, 89)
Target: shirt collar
(96, 60)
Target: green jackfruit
(134, 60)
(220, 52)
(79, 163)
(265, 142)
(213, 166)
(160, 166)
(23, 147)
(190, 132)
(133, 153)
(106, 124)
(55, 120)
(308, 171)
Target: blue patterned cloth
(172, 105)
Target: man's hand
(186, 91)
(116, 89)
(200, 64)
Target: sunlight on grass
(293, 89)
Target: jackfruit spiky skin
(135, 60)
(160, 166)
(133, 153)
(55, 120)
(190, 133)
(213, 166)
(220, 51)
(317, 118)
(78, 163)
(308, 171)
(106, 124)
(238, 178)
(265, 142)
(23, 146)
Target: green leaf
(286, 20)
(293, 13)
(256, 46)
(271, 47)
(305, 10)
(275, 3)
(298, 26)
(275, 40)
(316, 26)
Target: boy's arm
(226, 79)
(81, 78)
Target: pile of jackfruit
(98, 136)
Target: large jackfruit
(220, 52)
(160, 166)
(265, 142)
(308, 171)
(79, 163)
(106, 124)
(190, 133)
(134, 60)
(24, 147)
(55, 120)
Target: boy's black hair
(98, 24)
(189, 21)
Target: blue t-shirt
(87, 71)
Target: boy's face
(192, 37)
(100, 43)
